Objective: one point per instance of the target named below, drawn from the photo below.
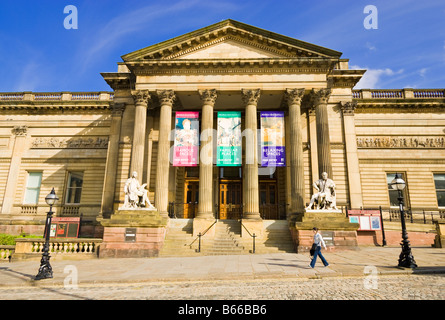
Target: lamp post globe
(406, 259)
(45, 270)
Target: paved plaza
(364, 274)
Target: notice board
(64, 227)
(369, 220)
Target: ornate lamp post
(406, 258)
(45, 270)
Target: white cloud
(373, 77)
(370, 46)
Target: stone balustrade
(78, 248)
(56, 96)
(398, 93)
(6, 252)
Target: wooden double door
(191, 199)
(230, 199)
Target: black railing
(423, 216)
(250, 234)
(416, 216)
(179, 210)
(176, 209)
(200, 235)
(273, 211)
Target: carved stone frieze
(69, 143)
(401, 142)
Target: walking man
(318, 242)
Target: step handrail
(253, 236)
(202, 234)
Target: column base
(255, 216)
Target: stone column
(313, 144)
(355, 186)
(20, 133)
(320, 100)
(205, 206)
(166, 98)
(250, 181)
(112, 160)
(295, 142)
(141, 98)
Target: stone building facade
(86, 145)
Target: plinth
(133, 233)
(335, 228)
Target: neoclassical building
(294, 113)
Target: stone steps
(179, 240)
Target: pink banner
(186, 139)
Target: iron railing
(267, 211)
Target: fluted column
(205, 205)
(20, 133)
(355, 186)
(293, 97)
(313, 143)
(320, 100)
(166, 98)
(141, 98)
(250, 181)
(112, 160)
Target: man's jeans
(318, 253)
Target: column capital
(208, 96)
(166, 97)
(348, 107)
(117, 108)
(250, 96)
(320, 96)
(20, 131)
(312, 111)
(294, 96)
(141, 97)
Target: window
(439, 182)
(33, 188)
(394, 194)
(74, 187)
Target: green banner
(229, 139)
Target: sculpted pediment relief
(228, 47)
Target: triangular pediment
(230, 39)
(228, 47)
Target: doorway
(230, 199)
(191, 199)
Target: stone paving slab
(381, 260)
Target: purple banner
(273, 151)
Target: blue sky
(38, 54)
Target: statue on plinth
(325, 198)
(136, 196)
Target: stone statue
(136, 196)
(325, 198)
